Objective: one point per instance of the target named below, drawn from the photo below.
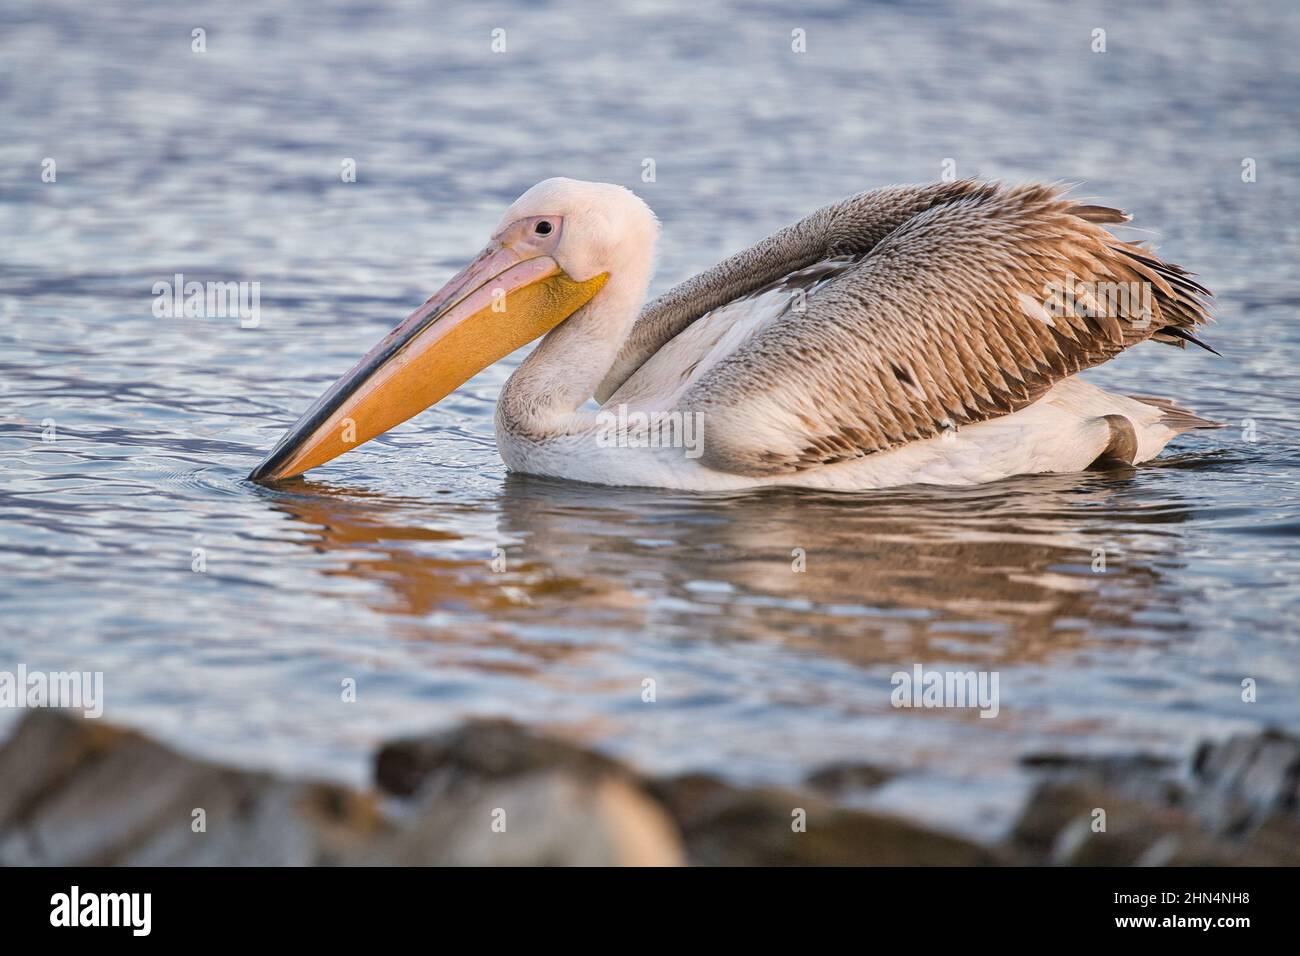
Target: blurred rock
(724, 825)
(79, 792)
(1248, 783)
(1235, 805)
(492, 793)
(545, 818)
(478, 750)
(844, 779)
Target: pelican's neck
(564, 370)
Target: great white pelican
(925, 334)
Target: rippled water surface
(225, 165)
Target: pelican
(910, 334)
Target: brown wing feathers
(969, 301)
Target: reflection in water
(1008, 574)
(776, 669)
(603, 586)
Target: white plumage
(1065, 428)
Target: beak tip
(264, 474)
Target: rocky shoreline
(79, 792)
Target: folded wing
(946, 305)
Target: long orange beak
(511, 294)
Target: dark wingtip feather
(1188, 336)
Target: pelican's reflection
(1009, 572)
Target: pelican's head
(554, 250)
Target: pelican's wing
(946, 305)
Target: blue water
(225, 166)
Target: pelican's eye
(543, 228)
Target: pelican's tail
(1175, 417)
